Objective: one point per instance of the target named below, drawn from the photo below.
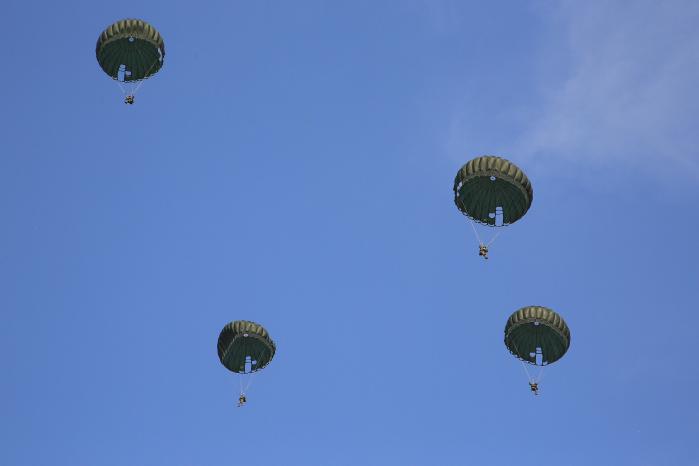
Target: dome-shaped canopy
(489, 185)
(244, 343)
(130, 46)
(536, 330)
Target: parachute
(245, 347)
(536, 335)
(492, 191)
(130, 51)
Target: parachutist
(494, 192)
(130, 51)
(244, 348)
(483, 251)
(537, 336)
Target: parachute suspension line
(140, 82)
(484, 246)
(526, 371)
(138, 86)
(121, 86)
(250, 379)
(494, 238)
(499, 216)
(122, 72)
(541, 374)
(475, 232)
(250, 375)
(127, 94)
(524, 366)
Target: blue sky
(292, 164)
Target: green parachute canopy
(132, 48)
(536, 332)
(245, 347)
(490, 187)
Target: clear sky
(292, 164)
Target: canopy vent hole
(131, 39)
(492, 178)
